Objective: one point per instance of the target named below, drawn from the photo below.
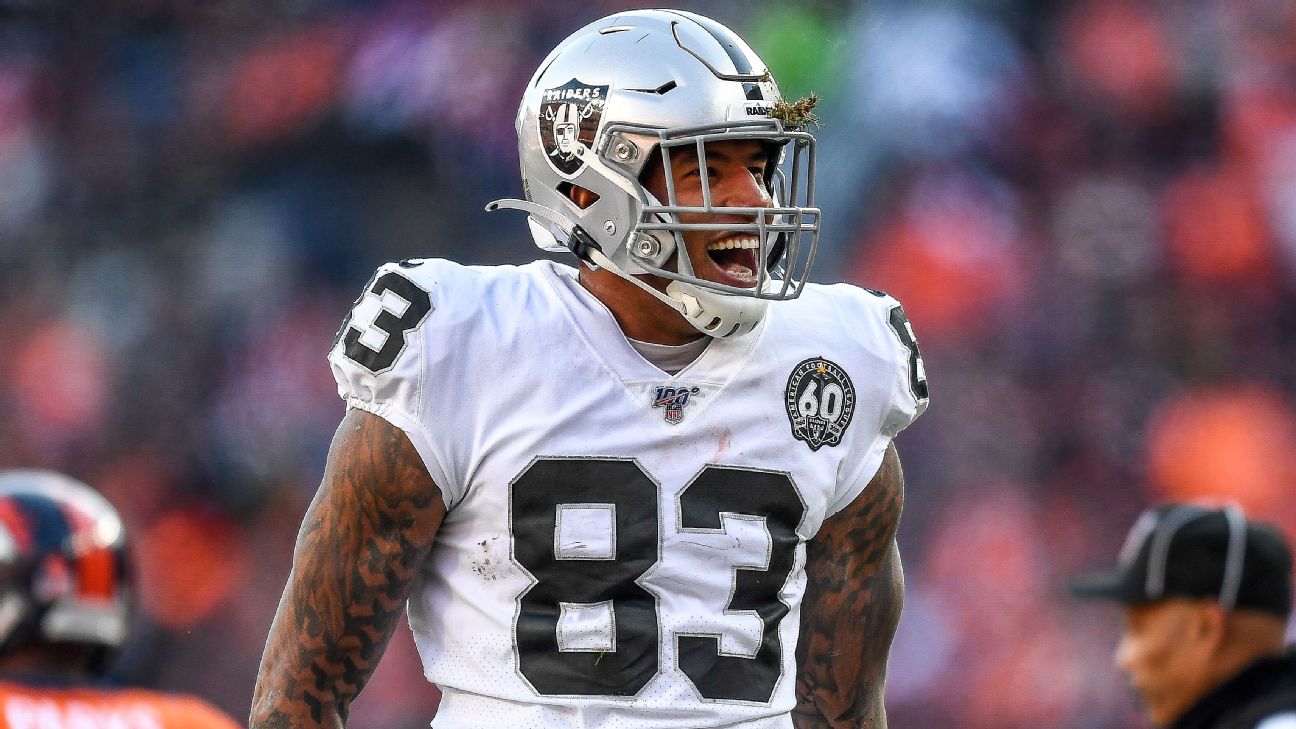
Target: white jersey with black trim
(624, 548)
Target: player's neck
(639, 315)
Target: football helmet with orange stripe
(63, 566)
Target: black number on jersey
(917, 372)
(715, 492)
(535, 501)
(418, 304)
(570, 581)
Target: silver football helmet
(628, 89)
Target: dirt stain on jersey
(492, 564)
(724, 439)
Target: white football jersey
(624, 548)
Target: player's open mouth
(736, 257)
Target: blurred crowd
(1088, 208)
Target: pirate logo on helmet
(569, 116)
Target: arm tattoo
(854, 593)
(365, 534)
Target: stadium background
(1088, 207)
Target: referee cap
(1186, 550)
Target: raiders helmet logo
(820, 401)
(569, 117)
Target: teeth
(731, 243)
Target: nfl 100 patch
(673, 400)
(820, 401)
(569, 117)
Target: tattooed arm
(851, 608)
(364, 536)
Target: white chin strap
(710, 312)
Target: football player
(64, 611)
(653, 490)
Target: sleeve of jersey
(889, 342)
(383, 354)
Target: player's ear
(1209, 623)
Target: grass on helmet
(799, 113)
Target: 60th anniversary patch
(820, 401)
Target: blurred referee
(1206, 596)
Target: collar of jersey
(593, 323)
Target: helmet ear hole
(581, 196)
